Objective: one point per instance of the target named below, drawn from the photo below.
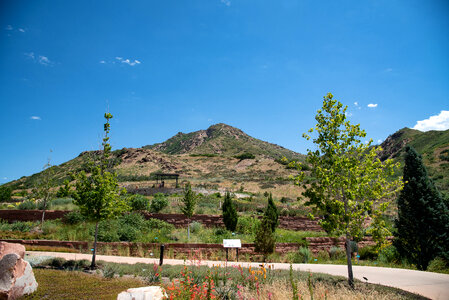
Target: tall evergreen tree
(272, 214)
(230, 217)
(189, 203)
(423, 218)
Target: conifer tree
(189, 203)
(272, 214)
(265, 241)
(230, 217)
(423, 218)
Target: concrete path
(428, 284)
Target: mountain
(206, 158)
(432, 145)
(223, 140)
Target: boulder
(16, 275)
(143, 293)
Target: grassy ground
(182, 281)
(67, 285)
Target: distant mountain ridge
(224, 140)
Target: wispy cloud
(438, 122)
(40, 59)
(35, 118)
(102, 62)
(9, 27)
(372, 105)
(226, 2)
(356, 104)
(21, 30)
(388, 70)
(128, 61)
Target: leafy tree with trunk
(98, 196)
(189, 203)
(347, 180)
(64, 190)
(422, 226)
(230, 217)
(272, 213)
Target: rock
(16, 275)
(143, 293)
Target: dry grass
(55, 285)
(281, 289)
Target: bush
(139, 202)
(27, 205)
(230, 217)
(323, 254)
(22, 226)
(75, 265)
(127, 233)
(107, 231)
(336, 253)
(368, 252)
(158, 203)
(265, 240)
(159, 224)
(56, 262)
(109, 271)
(247, 225)
(302, 256)
(133, 219)
(73, 217)
(439, 265)
(5, 194)
(245, 156)
(195, 227)
(389, 254)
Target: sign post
(232, 243)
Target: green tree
(347, 180)
(230, 217)
(64, 190)
(272, 213)
(422, 226)
(98, 196)
(189, 203)
(265, 241)
(5, 193)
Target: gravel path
(428, 284)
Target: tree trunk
(92, 265)
(188, 231)
(349, 261)
(43, 212)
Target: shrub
(247, 225)
(27, 205)
(109, 271)
(139, 202)
(303, 255)
(5, 194)
(265, 240)
(195, 227)
(73, 217)
(389, 254)
(132, 219)
(22, 226)
(439, 264)
(336, 253)
(323, 254)
(74, 265)
(159, 224)
(127, 233)
(158, 203)
(245, 156)
(368, 252)
(107, 231)
(56, 262)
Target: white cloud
(102, 62)
(128, 61)
(372, 105)
(438, 122)
(356, 103)
(43, 60)
(21, 30)
(226, 2)
(35, 118)
(379, 141)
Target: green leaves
(348, 179)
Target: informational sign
(234, 243)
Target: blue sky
(167, 66)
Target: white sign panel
(232, 244)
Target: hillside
(223, 140)
(205, 158)
(432, 145)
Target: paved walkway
(428, 284)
